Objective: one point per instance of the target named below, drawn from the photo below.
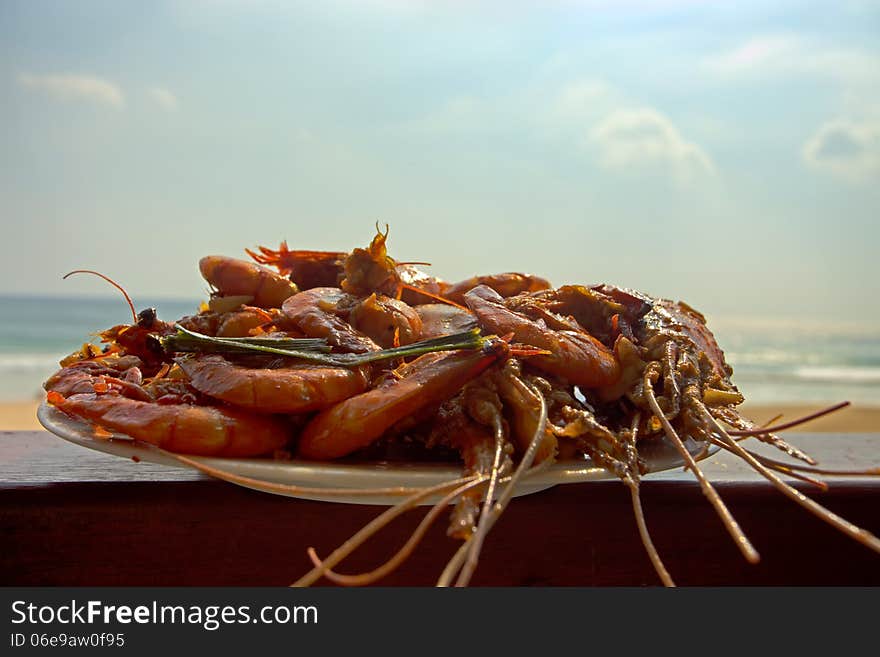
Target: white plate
(326, 475)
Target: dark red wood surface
(71, 516)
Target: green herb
(315, 350)
(190, 341)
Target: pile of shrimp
(574, 373)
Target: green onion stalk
(315, 350)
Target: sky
(724, 155)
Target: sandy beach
(20, 416)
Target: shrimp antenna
(788, 425)
(740, 423)
(430, 295)
(632, 482)
(730, 523)
(403, 554)
(468, 556)
(791, 467)
(860, 535)
(112, 282)
(374, 526)
(645, 535)
(482, 529)
(778, 466)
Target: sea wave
(22, 374)
(771, 357)
(860, 375)
(29, 362)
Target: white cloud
(582, 98)
(619, 133)
(163, 98)
(754, 54)
(587, 116)
(846, 149)
(629, 138)
(792, 54)
(75, 87)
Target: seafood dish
(354, 356)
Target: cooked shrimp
(419, 287)
(307, 269)
(122, 374)
(506, 285)
(472, 423)
(360, 272)
(351, 323)
(439, 319)
(524, 411)
(316, 313)
(114, 398)
(140, 339)
(239, 323)
(574, 355)
(599, 314)
(356, 422)
(181, 428)
(297, 388)
(371, 270)
(233, 277)
(386, 320)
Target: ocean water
(801, 360)
(37, 332)
(774, 360)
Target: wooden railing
(71, 516)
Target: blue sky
(726, 156)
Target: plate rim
(329, 474)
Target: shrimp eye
(154, 346)
(146, 317)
